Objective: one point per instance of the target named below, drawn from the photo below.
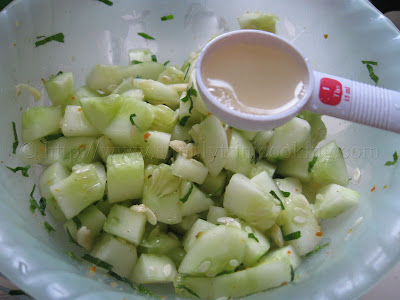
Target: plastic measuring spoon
(325, 94)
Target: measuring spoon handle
(355, 101)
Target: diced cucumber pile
(161, 191)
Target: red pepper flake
(289, 252)
(79, 109)
(93, 269)
(318, 233)
(325, 36)
(385, 187)
(285, 283)
(350, 230)
(146, 136)
(199, 234)
(14, 44)
(42, 79)
(73, 98)
(83, 146)
(373, 189)
(296, 190)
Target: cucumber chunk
(75, 123)
(289, 184)
(259, 21)
(53, 174)
(117, 252)
(257, 245)
(240, 155)
(318, 128)
(288, 139)
(261, 141)
(267, 184)
(125, 176)
(157, 93)
(214, 213)
(195, 201)
(198, 228)
(186, 223)
(330, 166)
(91, 222)
(33, 152)
(261, 166)
(333, 200)
(286, 252)
(84, 186)
(151, 268)
(216, 250)
(60, 89)
(194, 287)
(298, 216)
(159, 243)
(139, 55)
(125, 223)
(171, 75)
(107, 77)
(214, 185)
(37, 122)
(189, 169)
(104, 147)
(156, 144)
(246, 200)
(210, 138)
(297, 165)
(85, 92)
(181, 133)
(165, 118)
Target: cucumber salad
(158, 190)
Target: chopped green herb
(291, 273)
(146, 36)
(183, 121)
(216, 192)
(184, 199)
(72, 255)
(154, 58)
(58, 37)
(191, 92)
(55, 136)
(369, 62)
(225, 272)
(181, 286)
(285, 194)
(372, 74)
(120, 278)
(166, 63)
(139, 76)
(98, 262)
(16, 142)
(131, 119)
(187, 70)
(34, 205)
(317, 248)
(109, 3)
(277, 198)
(312, 163)
(77, 222)
(48, 227)
(135, 62)
(40, 37)
(24, 170)
(169, 17)
(16, 292)
(105, 197)
(42, 205)
(143, 290)
(389, 163)
(252, 236)
(291, 236)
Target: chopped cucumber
(260, 166)
(256, 247)
(286, 252)
(165, 118)
(75, 123)
(181, 133)
(329, 166)
(298, 216)
(157, 93)
(261, 141)
(86, 92)
(125, 223)
(160, 194)
(84, 186)
(60, 89)
(194, 200)
(216, 250)
(214, 185)
(156, 144)
(214, 213)
(37, 122)
(289, 185)
(171, 75)
(297, 166)
(53, 174)
(318, 128)
(117, 252)
(107, 77)
(159, 243)
(198, 228)
(267, 184)
(185, 225)
(188, 115)
(259, 21)
(125, 176)
(85, 227)
(151, 268)
(333, 200)
(240, 155)
(104, 147)
(33, 152)
(189, 169)
(139, 55)
(210, 138)
(288, 139)
(248, 135)
(246, 200)
(125, 86)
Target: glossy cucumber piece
(189, 169)
(60, 89)
(240, 155)
(198, 228)
(75, 123)
(151, 268)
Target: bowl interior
(96, 33)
